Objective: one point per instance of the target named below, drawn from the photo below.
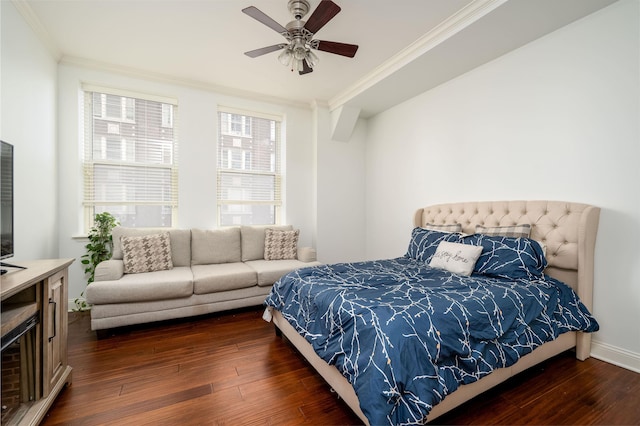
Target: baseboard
(616, 356)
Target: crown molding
(168, 79)
(43, 35)
(36, 26)
(466, 16)
(319, 103)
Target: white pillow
(455, 257)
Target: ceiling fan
(297, 52)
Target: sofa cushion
(253, 240)
(180, 242)
(280, 245)
(213, 246)
(146, 253)
(158, 285)
(270, 271)
(222, 277)
(118, 314)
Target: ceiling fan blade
(260, 16)
(264, 50)
(306, 69)
(325, 11)
(343, 49)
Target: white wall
(556, 119)
(28, 122)
(197, 132)
(341, 193)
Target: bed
(560, 247)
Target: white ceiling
(406, 46)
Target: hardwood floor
(231, 369)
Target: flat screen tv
(6, 200)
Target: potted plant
(99, 249)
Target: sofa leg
(102, 334)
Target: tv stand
(40, 290)
(9, 265)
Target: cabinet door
(55, 330)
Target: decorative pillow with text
(455, 257)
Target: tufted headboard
(567, 229)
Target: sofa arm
(109, 270)
(307, 254)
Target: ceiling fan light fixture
(312, 59)
(285, 57)
(299, 50)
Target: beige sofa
(212, 270)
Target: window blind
(130, 157)
(249, 186)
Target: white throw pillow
(455, 257)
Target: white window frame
(243, 204)
(167, 116)
(168, 163)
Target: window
(249, 168)
(113, 107)
(235, 124)
(130, 157)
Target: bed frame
(568, 230)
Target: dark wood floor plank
(124, 408)
(193, 411)
(231, 369)
(560, 391)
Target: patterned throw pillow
(515, 231)
(508, 257)
(423, 243)
(280, 245)
(146, 253)
(455, 227)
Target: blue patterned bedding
(406, 335)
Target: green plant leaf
(100, 246)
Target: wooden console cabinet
(41, 288)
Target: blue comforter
(406, 335)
